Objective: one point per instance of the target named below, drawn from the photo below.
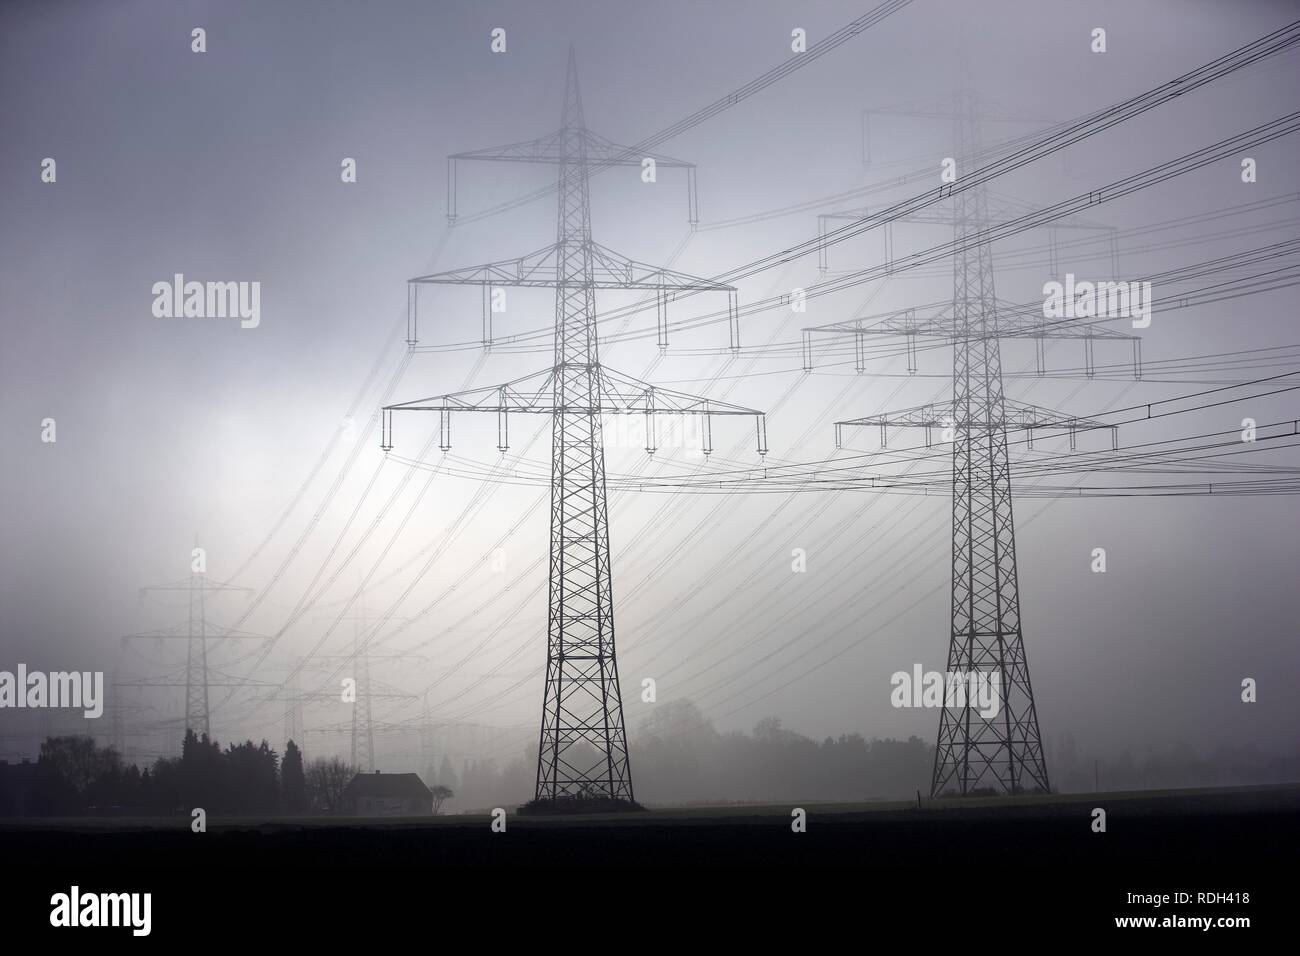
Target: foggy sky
(225, 166)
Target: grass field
(1227, 840)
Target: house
(381, 794)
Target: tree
(201, 772)
(293, 782)
(68, 772)
(326, 781)
(250, 779)
(78, 761)
(440, 794)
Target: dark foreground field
(1040, 857)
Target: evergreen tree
(293, 782)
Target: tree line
(74, 775)
(678, 757)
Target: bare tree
(326, 781)
(440, 793)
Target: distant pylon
(582, 746)
(293, 711)
(198, 632)
(1003, 752)
(196, 662)
(363, 727)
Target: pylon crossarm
(552, 148)
(540, 269)
(616, 394)
(928, 216)
(606, 152)
(203, 582)
(1019, 321)
(544, 149)
(1015, 320)
(537, 268)
(624, 395)
(1006, 206)
(1016, 416)
(615, 271)
(940, 216)
(532, 394)
(936, 215)
(898, 322)
(608, 270)
(569, 145)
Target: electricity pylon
(363, 723)
(197, 632)
(582, 747)
(1002, 752)
(293, 726)
(363, 727)
(360, 724)
(361, 719)
(119, 708)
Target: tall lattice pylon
(197, 632)
(582, 746)
(363, 725)
(293, 727)
(1002, 752)
(196, 662)
(581, 702)
(974, 751)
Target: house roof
(406, 786)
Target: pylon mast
(293, 725)
(197, 633)
(582, 743)
(1003, 752)
(581, 703)
(363, 727)
(196, 662)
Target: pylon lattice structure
(1003, 752)
(360, 725)
(293, 726)
(582, 746)
(197, 632)
(363, 726)
(363, 718)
